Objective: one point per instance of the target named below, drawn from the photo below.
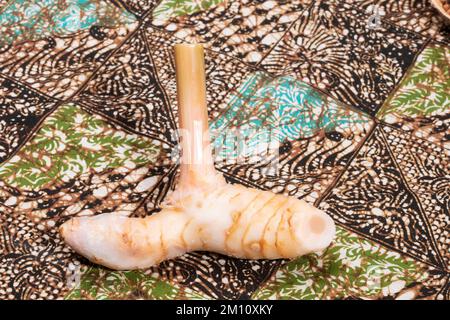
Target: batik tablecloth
(358, 92)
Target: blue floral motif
(37, 19)
(269, 110)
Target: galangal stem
(196, 159)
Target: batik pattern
(140, 8)
(21, 109)
(293, 139)
(290, 108)
(338, 53)
(101, 284)
(217, 276)
(33, 261)
(356, 103)
(352, 267)
(246, 29)
(54, 58)
(385, 192)
(421, 104)
(424, 166)
(167, 9)
(415, 15)
(127, 89)
(33, 20)
(77, 164)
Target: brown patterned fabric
(355, 91)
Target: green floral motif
(273, 110)
(100, 284)
(351, 266)
(70, 143)
(37, 19)
(174, 8)
(425, 90)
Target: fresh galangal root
(204, 212)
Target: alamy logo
(73, 275)
(374, 20)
